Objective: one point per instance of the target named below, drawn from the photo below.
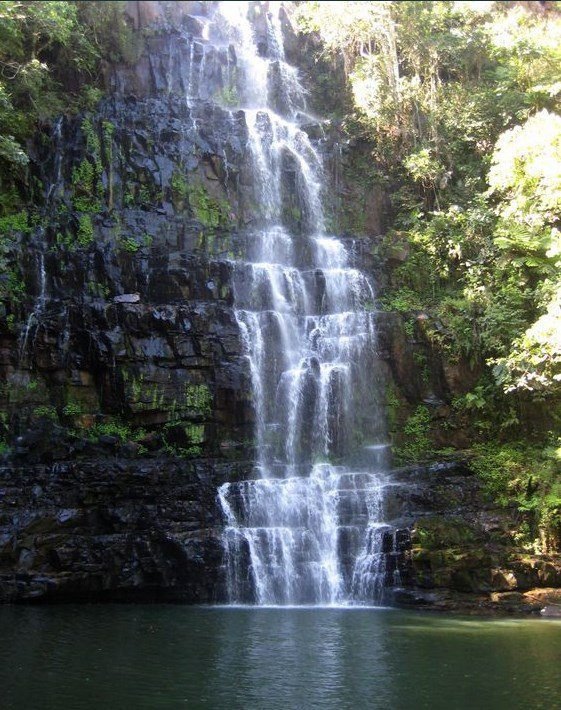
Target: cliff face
(111, 529)
(125, 396)
(125, 393)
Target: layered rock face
(111, 530)
(123, 363)
(126, 392)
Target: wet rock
(127, 298)
(461, 554)
(102, 529)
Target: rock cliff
(125, 396)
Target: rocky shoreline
(149, 530)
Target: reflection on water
(171, 656)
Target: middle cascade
(305, 531)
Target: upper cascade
(305, 530)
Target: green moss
(128, 196)
(24, 389)
(12, 287)
(198, 399)
(228, 96)
(112, 427)
(84, 185)
(195, 433)
(64, 240)
(129, 244)
(179, 188)
(209, 211)
(421, 362)
(85, 235)
(528, 477)
(47, 411)
(93, 143)
(392, 406)
(72, 409)
(140, 195)
(134, 244)
(438, 533)
(87, 186)
(416, 444)
(108, 129)
(183, 440)
(98, 290)
(184, 452)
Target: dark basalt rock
(135, 322)
(102, 529)
(457, 550)
(127, 321)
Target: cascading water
(34, 317)
(305, 531)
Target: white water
(304, 530)
(55, 186)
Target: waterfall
(52, 190)
(309, 528)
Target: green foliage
(527, 477)
(72, 409)
(210, 212)
(12, 227)
(51, 54)
(475, 400)
(13, 223)
(113, 426)
(425, 169)
(129, 244)
(179, 186)
(133, 244)
(416, 444)
(436, 533)
(392, 407)
(47, 411)
(11, 152)
(85, 185)
(534, 362)
(85, 235)
(461, 103)
(86, 177)
(192, 434)
(403, 300)
(93, 143)
(526, 172)
(228, 96)
(198, 398)
(97, 289)
(65, 240)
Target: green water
(75, 657)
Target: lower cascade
(309, 529)
(313, 539)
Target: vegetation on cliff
(81, 214)
(460, 106)
(460, 103)
(51, 60)
(52, 56)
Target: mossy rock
(460, 569)
(438, 533)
